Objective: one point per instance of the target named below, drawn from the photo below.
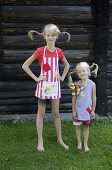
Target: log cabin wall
(17, 18)
(109, 59)
(100, 11)
(1, 48)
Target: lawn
(18, 147)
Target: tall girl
(48, 82)
(83, 105)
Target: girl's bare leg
(86, 134)
(57, 122)
(39, 124)
(78, 135)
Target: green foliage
(18, 144)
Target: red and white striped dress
(49, 88)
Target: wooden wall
(100, 11)
(17, 18)
(109, 69)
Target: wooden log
(109, 97)
(28, 93)
(1, 72)
(109, 84)
(109, 56)
(110, 41)
(110, 12)
(45, 14)
(110, 28)
(1, 49)
(109, 67)
(110, 2)
(23, 28)
(110, 18)
(46, 3)
(109, 109)
(30, 108)
(9, 86)
(100, 11)
(17, 94)
(18, 101)
(15, 71)
(6, 86)
(0, 28)
(7, 109)
(30, 100)
(33, 108)
(19, 56)
(109, 76)
(109, 102)
(23, 42)
(110, 46)
(66, 99)
(109, 92)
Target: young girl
(83, 105)
(48, 86)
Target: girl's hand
(92, 114)
(41, 78)
(74, 114)
(60, 77)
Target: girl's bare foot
(86, 149)
(79, 146)
(41, 149)
(40, 145)
(63, 144)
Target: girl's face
(82, 73)
(50, 37)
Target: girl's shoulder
(39, 52)
(60, 53)
(58, 50)
(91, 83)
(40, 49)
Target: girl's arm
(66, 68)
(93, 100)
(26, 68)
(73, 106)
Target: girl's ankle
(79, 145)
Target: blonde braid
(31, 32)
(69, 37)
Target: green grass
(18, 147)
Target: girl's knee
(56, 115)
(86, 126)
(41, 114)
(41, 109)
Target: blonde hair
(84, 65)
(52, 27)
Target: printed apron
(49, 88)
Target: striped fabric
(51, 76)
